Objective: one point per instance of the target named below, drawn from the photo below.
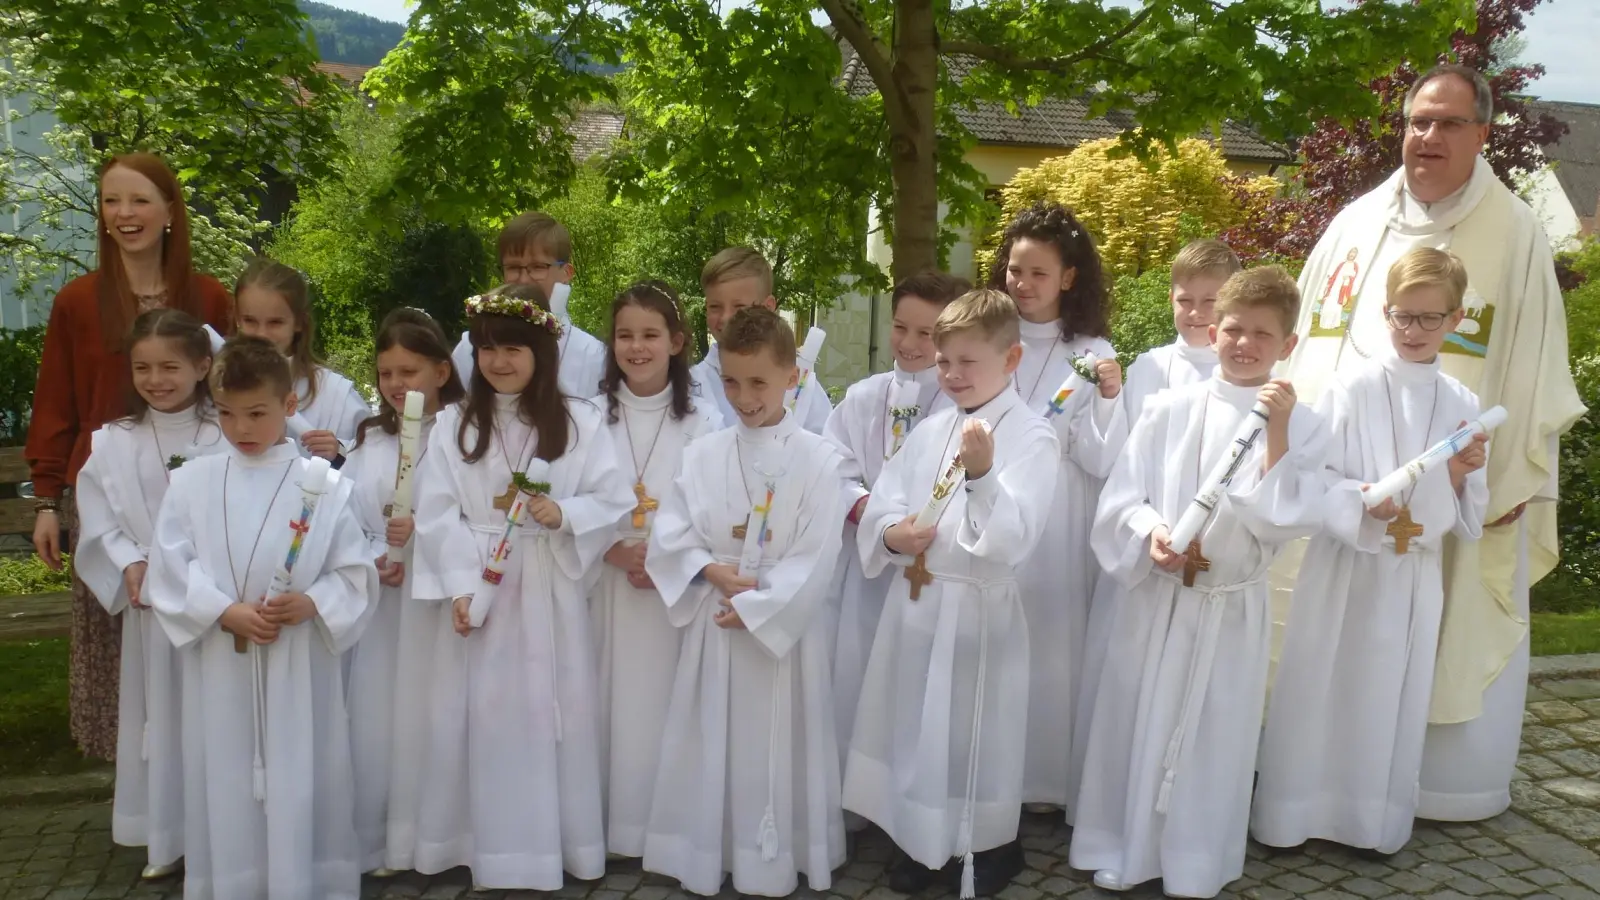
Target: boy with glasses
(537, 249)
(1341, 763)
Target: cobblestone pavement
(1545, 847)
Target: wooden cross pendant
(917, 573)
(739, 531)
(645, 507)
(388, 510)
(503, 502)
(1402, 529)
(1194, 563)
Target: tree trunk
(913, 140)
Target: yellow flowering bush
(1133, 207)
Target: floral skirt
(96, 661)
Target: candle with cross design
(313, 484)
(524, 487)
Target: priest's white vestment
(1173, 745)
(749, 777)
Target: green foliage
(1140, 212)
(33, 710)
(741, 113)
(362, 260)
(29, 575)
(19, 372)
(350, 37)
(1558, 634)
(224, 91)
(1143, 317)
(1576, 583)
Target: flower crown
(502, 305)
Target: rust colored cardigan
(82, 386)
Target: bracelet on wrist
(46, 504)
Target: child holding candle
(742, 552)
(119, 494)
(268, 806)
(869, 425)
(652, 420)
(1048, 263)
(391, 668)
(936, 755)
(1167, 776)
(523, 496)
(1342, 765)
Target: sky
(1561, 35)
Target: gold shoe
(154, 873)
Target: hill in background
(351, 37)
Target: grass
(29, 575)
(33, 710)
(1557, 634)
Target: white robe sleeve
(1096, 428)
(1143, 381)
(678, 551)
(1344, 512)
(603, 496)
(1286, 502)
(851, 471)
(186, 599)
(1472, 504)
(345, 591)
(446, 562)
(815, 407)
(104, 548)
(887, 505)
(1009, 507)
(790, 594)
(366, 503)
(464, 358)
(1120, 538)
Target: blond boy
(735, 279)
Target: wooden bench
(38, 615)
(16, 513)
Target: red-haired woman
(144, 262)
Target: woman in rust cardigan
(144, 262)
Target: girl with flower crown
(652, 419)
(523, 499)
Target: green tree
(762, 82)
(227, 92)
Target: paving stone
(1366, 887)
(1325, 873)
(1513, 886)
(1556, 711)
(1573, 689)
(1577, 823)
(1541, 737)
(1446, 853)
(1544, 877)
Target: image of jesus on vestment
(1331, 310)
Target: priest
(1511, 349)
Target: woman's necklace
(1401, 527)
(646, 504)
(227, 533)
